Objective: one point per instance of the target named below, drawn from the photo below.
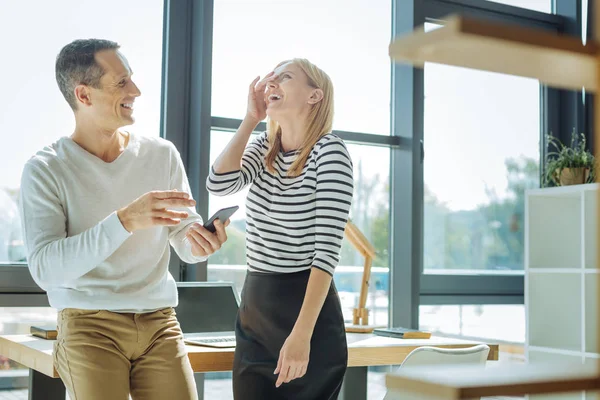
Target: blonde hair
(320, 119)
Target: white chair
(428, 355)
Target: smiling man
(99, 209)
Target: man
(99, 209)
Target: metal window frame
(493, 289)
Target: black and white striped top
(293, 223)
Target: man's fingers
(170, 214)
(168, 194)
(208, 236)
(200, 241)
(174, 202)
(220, 231)
(165, 221)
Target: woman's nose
(272, 84)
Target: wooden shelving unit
(557, 61)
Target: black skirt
(269, 308)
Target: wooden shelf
(468, 382)
(556, 60)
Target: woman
(290, 334)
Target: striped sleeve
(335, 185)
(252, 164)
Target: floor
(220, 389)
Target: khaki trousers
(105, 355)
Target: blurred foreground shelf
(556, 60)
(468, 382)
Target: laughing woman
(290, 334)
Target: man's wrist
(122, 214)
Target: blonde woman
(290, 334)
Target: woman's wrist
(250, 120)
(303, 332)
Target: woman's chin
(272, 114)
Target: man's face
(111, 105)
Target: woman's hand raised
(257, 106)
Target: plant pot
(573, 176)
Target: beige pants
(104, 355)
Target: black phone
(223, 215)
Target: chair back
(429, 355)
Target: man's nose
(135, 90)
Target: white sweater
(78, 250)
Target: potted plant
(569, 165)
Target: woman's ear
(316, 96)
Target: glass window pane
(494, 322)
(352, 47)
(544, 6)
(137, 26)
(482, 151)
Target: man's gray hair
(76, 65)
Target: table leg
(199, 378)
(354, 386)
(42, 387)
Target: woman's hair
(320, 119)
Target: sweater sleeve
(54, 258)
(335, 185)
(177, 238)
(251, 166)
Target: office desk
(364, 350)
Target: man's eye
(122, 83)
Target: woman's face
(289, 95)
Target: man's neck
(107, 145)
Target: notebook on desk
(207, 312)
(402, 333)
(44, 331)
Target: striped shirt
(292, 223)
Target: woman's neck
(293, 133)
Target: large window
(34, 113)
(482, 151)
(347, 40)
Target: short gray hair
(76, 65)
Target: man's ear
(316, 96)
(83, 95)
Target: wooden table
(364, 350)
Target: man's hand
(204, 242)
(152, 209)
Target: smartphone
(223, 215)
